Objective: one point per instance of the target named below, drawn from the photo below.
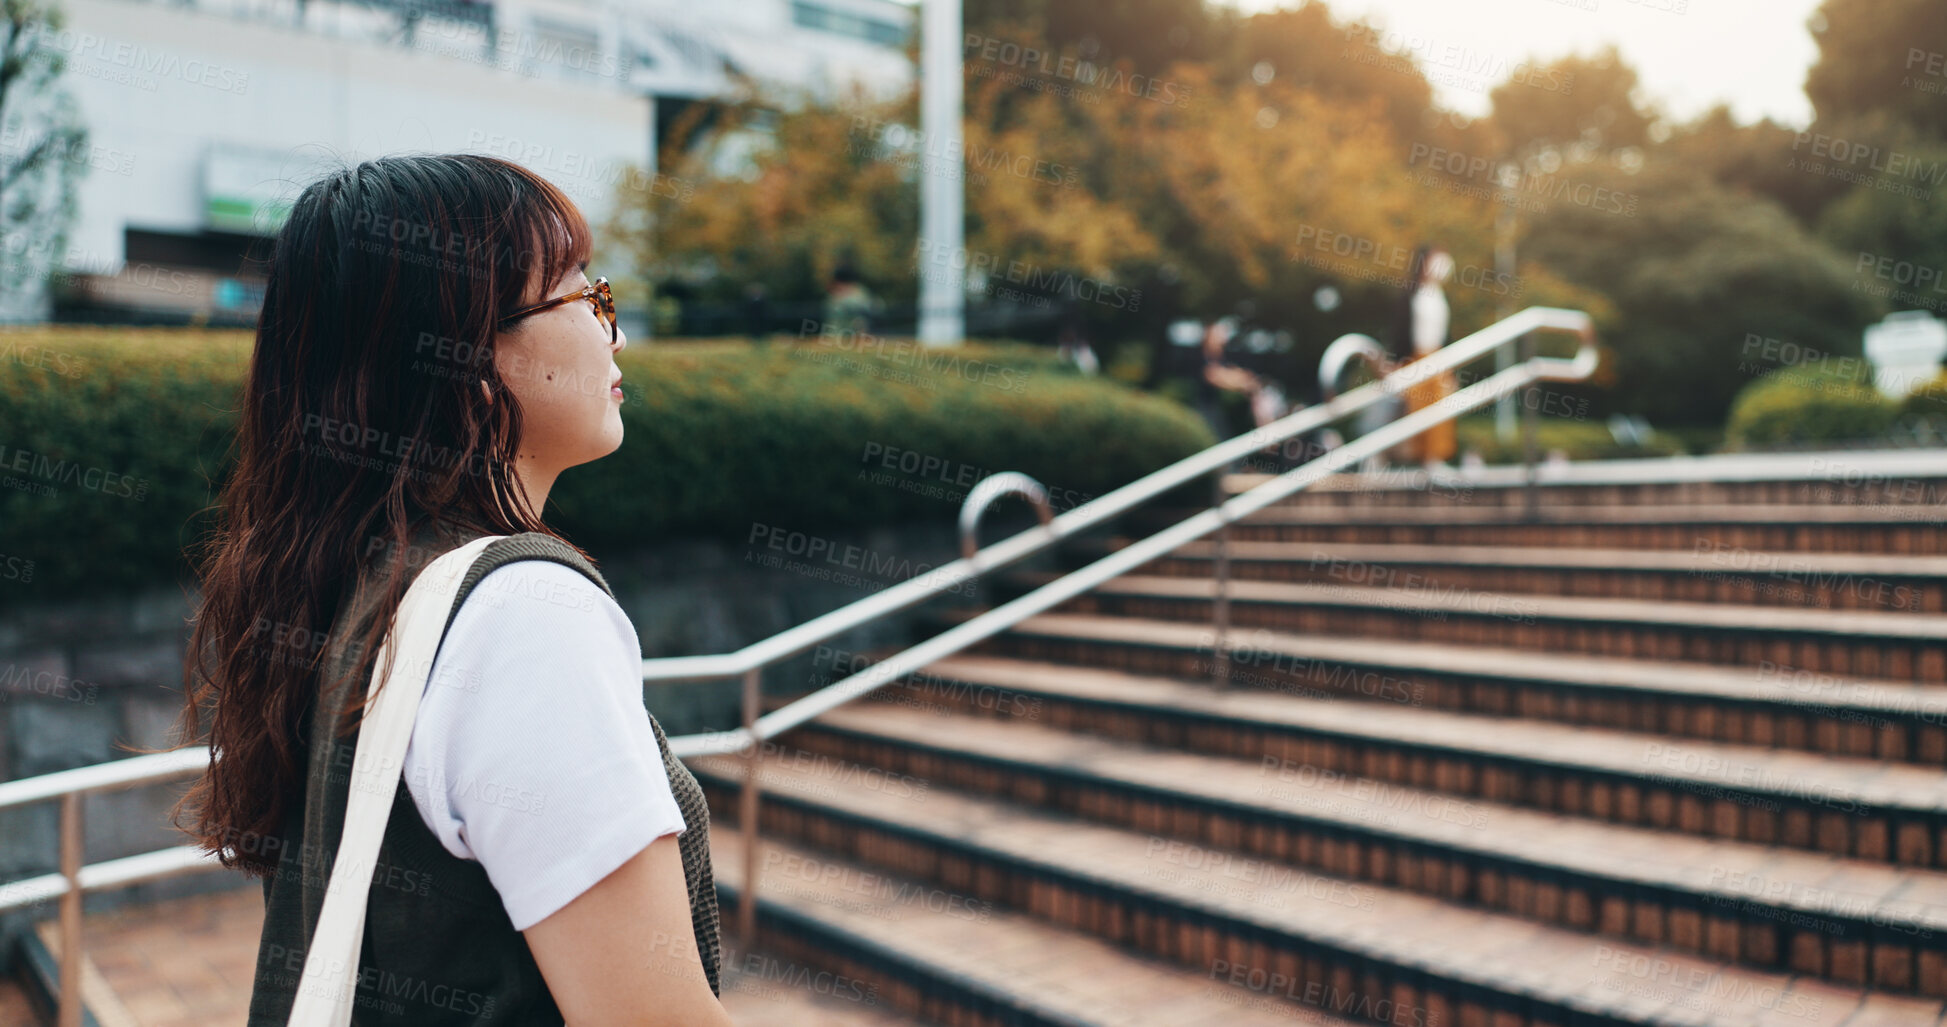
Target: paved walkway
(188, 962)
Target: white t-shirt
(532, 753)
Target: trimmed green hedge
(111, 442)
(1580, 440)
(1928, 402)
(1808, 404)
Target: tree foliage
(1881, 56)
(1287, 151)
(39, 169)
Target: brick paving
(1671, 677)
(1716, 868)
(1869, 782)
(1054, 971)
(1521, 557)
(1843, 623)
(188, 962)
(1498, 951)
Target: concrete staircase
(1669, 753)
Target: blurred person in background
(849, 305)
(1219, 375)
(1071, 340)
(1420, 329)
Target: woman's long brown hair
(363, 417)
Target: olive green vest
(438, 947)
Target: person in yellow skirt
(1424, 327)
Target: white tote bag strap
(325, 991)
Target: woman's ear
(486, 390)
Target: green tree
(1902, 217)
(1344, 63)
(1881, 56)
(1763, 159)
(1575, 104)
(42, 154)
(1148, 34)
(1695, 273)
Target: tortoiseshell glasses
(597, 295)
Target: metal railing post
(747, 902)
(68, 1012)
(1530, 496)
(1220, 600)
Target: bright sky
(1689, 54)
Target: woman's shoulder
(540, 586)
(536, 546)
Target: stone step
(1865, 809)
(1901, 647)
(764, 989)
(1770, 706)
(1386, 954)
(1811, 912)
(1892, 479)
(1850, 920)
(1891, 530)
(914, 947)
(1706, 573)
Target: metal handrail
(1340, 355)
(750, 660)
(948, 575)
(990, 489)
(69, 787)
(73, 880)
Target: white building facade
(206, 118)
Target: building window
(825, 19)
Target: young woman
(430, 356)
